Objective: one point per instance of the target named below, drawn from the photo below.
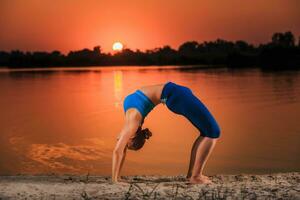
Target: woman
(180, 100)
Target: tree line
(280, 53)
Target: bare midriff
(153, 92)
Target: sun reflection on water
(118, 87)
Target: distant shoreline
(242, 186)
(120, 67)
(128, 68)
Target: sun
(117, 46)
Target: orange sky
(140, 24)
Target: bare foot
(205, 177)
(200, 180)
(121, 183)
(201, 176)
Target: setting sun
(117, 46)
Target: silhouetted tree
(188, 48)
(286, 39)
(17, 58)
(4, 58)
(85, 56)
(243, 46)
(97, 50)
(164, 55)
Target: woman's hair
(139, 140)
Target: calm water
(67, 120)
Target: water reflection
(118, 88)
(283, 80)
(63, 157)
(59, 157)
(31, 74)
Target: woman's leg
(193, 155)
(184, 102)
(203, 151)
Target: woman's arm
(120, 148)
(122, 162)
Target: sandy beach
(242, 186)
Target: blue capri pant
(182, 101)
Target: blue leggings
(182, 101)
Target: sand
(243, 186)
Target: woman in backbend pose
(180, 100)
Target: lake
(66, 120)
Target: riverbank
(243, 186)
